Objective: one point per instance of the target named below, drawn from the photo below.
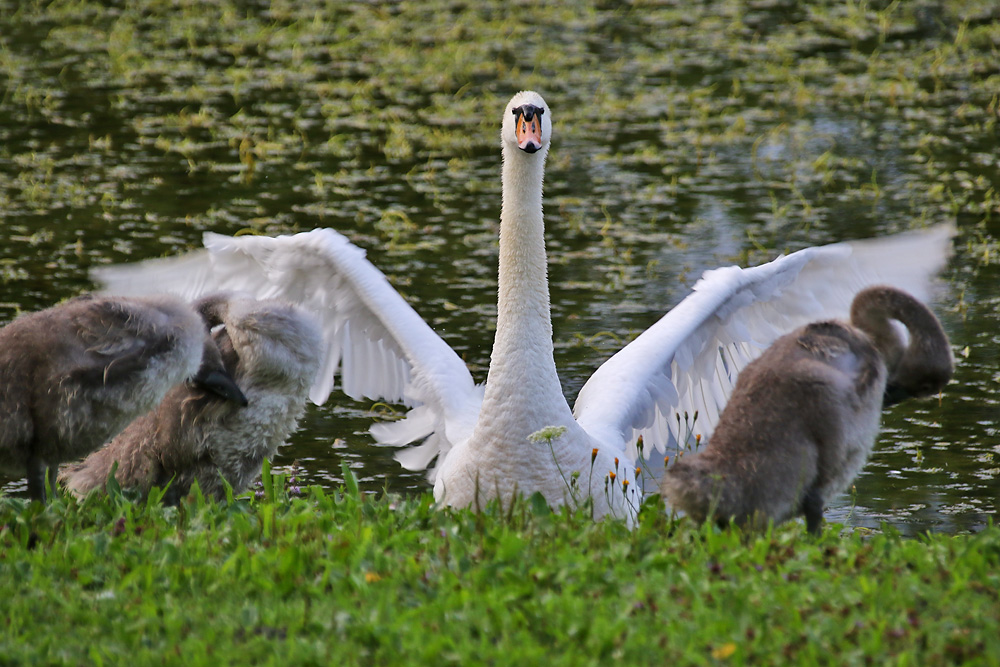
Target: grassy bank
(347, 578)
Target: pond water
(684, 138)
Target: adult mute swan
(74, 375)
(270, 348)
(686, 362)
(804, 416)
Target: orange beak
(529, 133)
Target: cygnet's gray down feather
(804, 416)
(271, 349)
(74, 375)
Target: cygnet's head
(527, 123)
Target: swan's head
(527, 123)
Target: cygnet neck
(925, 361)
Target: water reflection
(732, 135)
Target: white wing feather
(383, 348)
(686, 364)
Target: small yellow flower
(612, 476)
(697, 439)
(638, 471)
(593, 455)
(724, 651)
(372, 577)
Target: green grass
(347, 578)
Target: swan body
(804, 416)
(269, 348)
(73, 376)
(479, 435)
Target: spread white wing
(382, 348)
(686, 364)
(668, 384)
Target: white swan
(804, 416)
(685, 363)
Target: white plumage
(685, 363)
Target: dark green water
(685, 138)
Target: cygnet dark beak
(222, 384)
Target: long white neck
(522, 381)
